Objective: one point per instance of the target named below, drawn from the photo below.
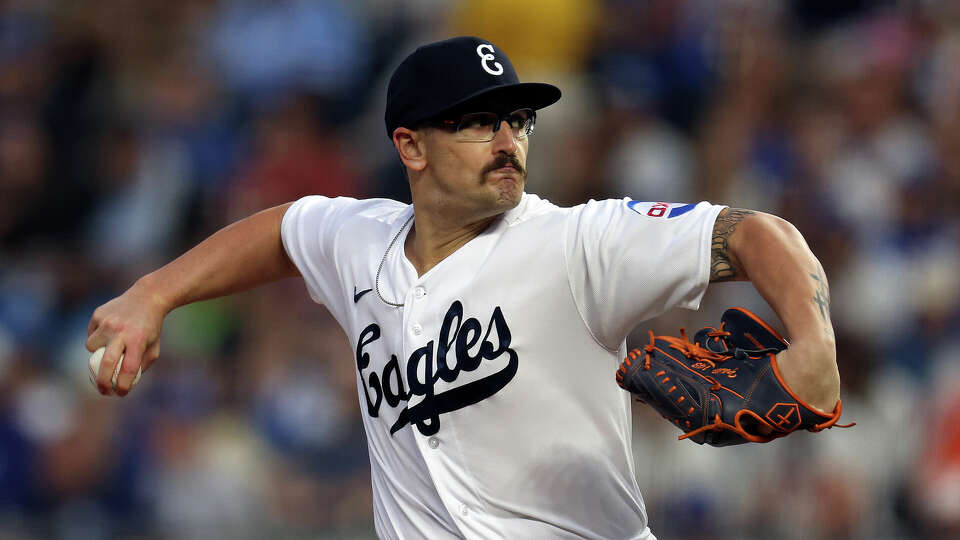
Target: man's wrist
(152, 290)
(811, 373)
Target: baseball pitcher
(488, 325)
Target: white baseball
(94, 366)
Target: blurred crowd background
(132, 129)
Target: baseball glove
(723, 388)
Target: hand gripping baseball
(128, 326)
(724, 387)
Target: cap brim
(508, 97)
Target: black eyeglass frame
(453, 125)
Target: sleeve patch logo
(660, 209)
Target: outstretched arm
(772, 254)
(238, 257)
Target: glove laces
(688, 348)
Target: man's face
(478, 178)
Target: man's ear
(410, 147)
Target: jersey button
(464, 510)
(433, 442)
(417, 329)
(419, 292)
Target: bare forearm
(776, 259)
(238, 257)
(773, 255)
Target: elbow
(763, 242)
(761, 228)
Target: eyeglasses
(483, 126)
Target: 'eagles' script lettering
(454, 351)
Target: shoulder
(371, 208)
(652, 214)
(641, 223)
(603, 213)
(338, 211)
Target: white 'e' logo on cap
(486, 57)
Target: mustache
(504, 160)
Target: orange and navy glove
(723, 388)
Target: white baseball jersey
(489, 398)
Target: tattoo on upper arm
(721, 267)
(822, 297)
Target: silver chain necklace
(376, 281)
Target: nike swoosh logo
(358, 295)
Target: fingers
(108, 365)
(95, 334)
(127, 327)
(150, 356)
(91, 328)
(133, 357)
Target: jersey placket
(424, 312)
(419, 329)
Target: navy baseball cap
(458, 73)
